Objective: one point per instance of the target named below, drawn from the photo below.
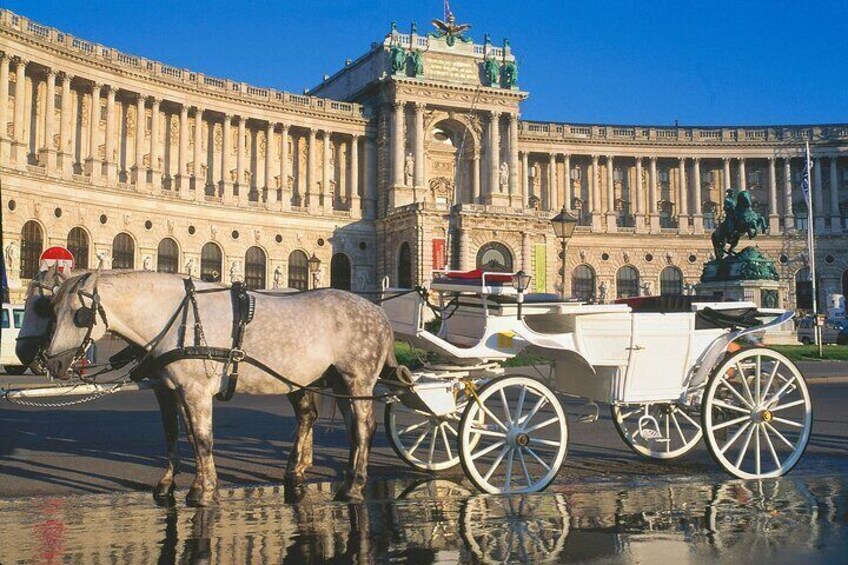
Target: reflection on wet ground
(784, 521)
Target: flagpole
(811, 246)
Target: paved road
(115, 444)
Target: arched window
(404, 266)
(803, 289)
(671, 282)
(298, 270)
(210, 263)
(583, 283)
(123, 252)
(32, 244)
(78, 246)
(494, 256)
(627, 282)
(168, 258)
(254, 268)
(340, 271)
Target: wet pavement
(791, 520)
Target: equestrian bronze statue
(740, 219)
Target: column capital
(653, 158)
(595, 157)
(4, 55)
(96, 85)
(696, 159)
(155, 100)
(51, 73)
(418, 105)
(285, 127)
(355, 137)
(271, 125)
(610, 157)
(312, 133)
(240, 119)
(398, 104)
(726, 159)
(494, 114)
(184, 110)
(19, 60)
(228, 117)
(198, 111)
(65, 75)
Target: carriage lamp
(314, 265)
(520, 281)
(564, 224)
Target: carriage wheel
(657, 430)
(424, 441)
(513, 436)
(756, 414)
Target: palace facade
(411, 158)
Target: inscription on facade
(452, 70)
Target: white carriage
(670, 368)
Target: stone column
(698, 215)
(639, 197)
(475, 179)
(612, 225)
(111, 166)
(155, 167)
(285, 192)
(526, 262)
(418, 177)
(818, 195)
(595, 191)
(653, 197)
(92, 163)
(66, 128)
(683, 190)
(139, 171)
(370, 179)
(326, 173)
(181, 178)
(5, 141)
(226, 149)
(199, 157)
(788, 214)
(464, 245)
(19, 147)
(743, 178)
(774, 218)
(355, 205)
(525, 178)
(311, 194)
(566, 193)
(726, 174)
(514, 198)
(48, 151)
(835, 218)
(270, 189)
(243, 187)
(553, 184)
(398, 144)
(494, 156)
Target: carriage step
(651, 435)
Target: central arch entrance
(451, 146)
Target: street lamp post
(564, 224)
(314, 266)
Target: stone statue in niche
(236, 273)
(603, 289)
(12, 259)
(278, 277)
(189, 267)
(492, 71)
(409, 170)
(397, 58)
(147, 264)
(503, 177)
(103, 260)
(417, 63)
(647, 288)
(510, 71)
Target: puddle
(439, 521)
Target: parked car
(829, 331)
(842, 337)
(12, 320)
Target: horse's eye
(43, 307)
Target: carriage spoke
(505, 405)
(445, 440)
(744, 380)
(788, 422)
(726, 406)
(538, 459)
(452, 429)
(539, 403)
(488, 449)
(488, 433)
(520, 405)
(787, 405)
(541, 425)
(735, 392)
(759, 371)
(492, 416)
(744, 451)
(667, 436)
(546, 442)
(509, 463)
(433, 444)
(628, 414)
(688, 417)
(729, 423)
(780, 435)
(418, 441)
(412, 427)
(679, 431)
(757, 448)
(524, 467)
(774, 369)
(496, 464)
(777, 396)
(771, 448)
(735, 437)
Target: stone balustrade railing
(161, 71)
(677, 135)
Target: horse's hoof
(198, 497)
(163, 494)
(354, 495)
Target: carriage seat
(666, 304)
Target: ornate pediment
(441, 188)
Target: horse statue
(309, 339)
(740, 219)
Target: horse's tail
(394, 371)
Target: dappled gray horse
(326, 334)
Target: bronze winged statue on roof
(450, 30)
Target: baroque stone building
(411, 158)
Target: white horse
(305, 337)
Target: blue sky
(632, 62)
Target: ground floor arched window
(211, 263)
(298, 270)
(627, 282)
(78, 246)
(123, 252)
(168, 256)
(495, 256)
(32, 244)
(254, 268)
(583, 283)
(404, 266)
(671, 282)
(803, 289)
(340, 271)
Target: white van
(13, 319)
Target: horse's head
(743, 200)
(38, 314)
(76, 309)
